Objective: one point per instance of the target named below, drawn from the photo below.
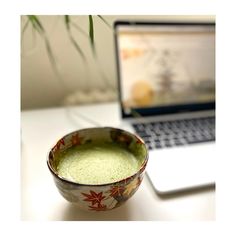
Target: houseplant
(72, 29)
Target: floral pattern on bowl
(99, 197)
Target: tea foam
(97, 164)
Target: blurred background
(69, 60)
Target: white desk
(40, 199)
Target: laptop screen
(165, 67)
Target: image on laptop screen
(166, 65)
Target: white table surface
(40, 200)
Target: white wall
(40, 87)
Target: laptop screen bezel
(160, 110)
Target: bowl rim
(141, 168)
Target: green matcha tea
(97, 163)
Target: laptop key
(157, 141)
(147, 141)
(201, 140)
(168, 145)
(178, 142)
(150, 147)
(158, 145)
(139, 127)
(144, 135)
(158, 134)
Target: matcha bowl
(98, 169)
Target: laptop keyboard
(164, 134)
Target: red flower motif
(58, 145)
(76, 140)
(94, 197)
(98, 208)
(139, 141)
(123, 138)
(133, 185)
(139, 181)
(143, 167)
(116, 191)
(127, 180)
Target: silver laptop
(166, 74)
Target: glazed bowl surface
(99, 197)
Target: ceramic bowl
(99, 197)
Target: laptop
(166, 78)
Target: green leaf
(36, 23)
(25, 27)
(135, 113)
(73, 41)
(50, 53)
(79, 29)
(77, 47)
(104, 21)
(67, 21)
(91, 32)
